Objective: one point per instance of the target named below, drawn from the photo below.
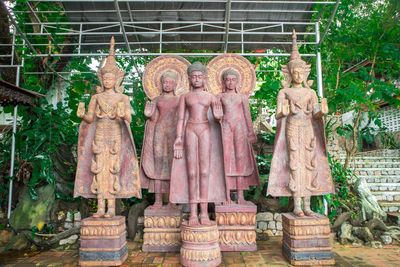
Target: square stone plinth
(162, 229)
(103, 241)
(237, 227)
(307, 240)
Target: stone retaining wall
(269, 223)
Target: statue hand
(285, 108)
(149, 109)
(178, 148)
(324, 106)
(121, 109)
(218, 111)
(81, 110)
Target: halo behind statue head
(169, 65)
(218, 65)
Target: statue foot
(171, 205)
(227, 202)
(309, 213)
(244, 202)
(98, 214)
(298, 213)
(156, 206)
(193, 220)
(109, 215)
(204, 220)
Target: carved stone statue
(299, 166)
(237, 137)
(107, 162)
(197, 170)
(160, 134)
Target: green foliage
(344, 198)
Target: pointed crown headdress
(109, 65)
(295, 62)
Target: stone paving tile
(269, 254)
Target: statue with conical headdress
(107, 162)
(299, 166)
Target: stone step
(381, 179)
(384, 187)
(390, 206)
(387, 196)
(372, 159)
(377, 171)
(375, 165)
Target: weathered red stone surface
(307, 240)
(107, 162)
(197, 173)
(162, 229)
(237, 227)
(237, 129)
(200, 247)
(103, 242)
(299, 166)
(163, 79)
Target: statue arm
(217, 107)
(181, 117)
(319, 110)
(150, 109)
(282, 106)
(178, 144)
(247, 117)
(89, 116)
(128, 110)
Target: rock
(5, 236)
(279, 233)
(386, 239)
(279, 226)
(18, 242)
(70, 240)
(69, 220)
(271, 225)
(77, 219)
(364, 233)
(265, 216)
(29, 212)
(262, 225)
(375, 244)
(357, 242)
(345, 233)
(259, 231)
(269, 233)
(278, 217)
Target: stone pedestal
(237, 227)
(162, 229)
(103, 242)
(307, 240)
(200, 246)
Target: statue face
(297, 75)
(197, 79)
(109, 80)
(168, 84)
(230, 82)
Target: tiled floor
(268, 254)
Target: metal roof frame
(234, 34)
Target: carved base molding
(307, 240)
(103, 242)
(162, 229)
(237, 227)
(200, 247)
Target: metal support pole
(319, 63)
(14, 131)
(319, 85)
